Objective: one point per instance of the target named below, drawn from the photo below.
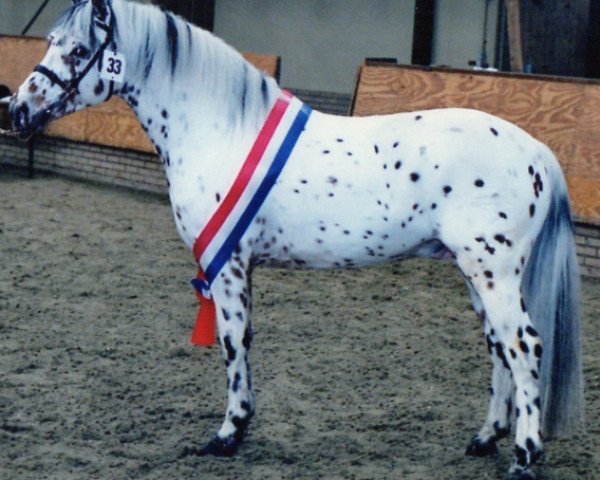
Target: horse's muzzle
(26, 123)
(19, 114)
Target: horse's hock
(563, 113)
(107, 144)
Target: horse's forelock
(78, 18)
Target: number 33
(114, 66)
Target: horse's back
(358, 190)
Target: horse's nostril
(24, 109)
(20, 115)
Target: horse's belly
(330, 233)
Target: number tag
(113, 67)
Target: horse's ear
(100, 9)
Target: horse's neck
(217, 104)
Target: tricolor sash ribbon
(259, 172)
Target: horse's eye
(79, 52)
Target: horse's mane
(174, 55)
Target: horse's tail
(551, 292)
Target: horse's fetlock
(534, 449)
(501, 432)
(520, 474)
(221, 447)
(527, 455)
(247, 407)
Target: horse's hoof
(221, 447)
(218, 447)
(523, 475)
(478, 448)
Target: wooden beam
(422, 46)
(515, 47)
(555, 35)
(593, 42)
(198, 12)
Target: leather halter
(70, 86)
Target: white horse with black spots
(448, 183)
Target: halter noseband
(70, 86)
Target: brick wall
(334, 103)
(588, 249)
(125, 168)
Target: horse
(347, 192)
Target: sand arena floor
(372, 374)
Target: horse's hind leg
(232, 296)
(516, 344)
(497, 423)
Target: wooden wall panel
(73, 127)
(270, 64)
(19, 55)
(564, 114)
(585, 198)
(111, 123)
(587, 155)
(117, 130)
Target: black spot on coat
(247, 340)
(236, 382)
(231, 352)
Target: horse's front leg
(233, 304)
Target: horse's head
(76, 70)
